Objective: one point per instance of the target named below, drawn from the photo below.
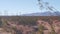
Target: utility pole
(5, 13)
(0, 13)
(19, 13)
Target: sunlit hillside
(29, 25)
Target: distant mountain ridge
(57, 13)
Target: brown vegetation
(30, 25)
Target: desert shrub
(41, 28)
(52, 26)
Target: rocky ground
(12, 27)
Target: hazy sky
(23, 6)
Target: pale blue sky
(23, 6)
